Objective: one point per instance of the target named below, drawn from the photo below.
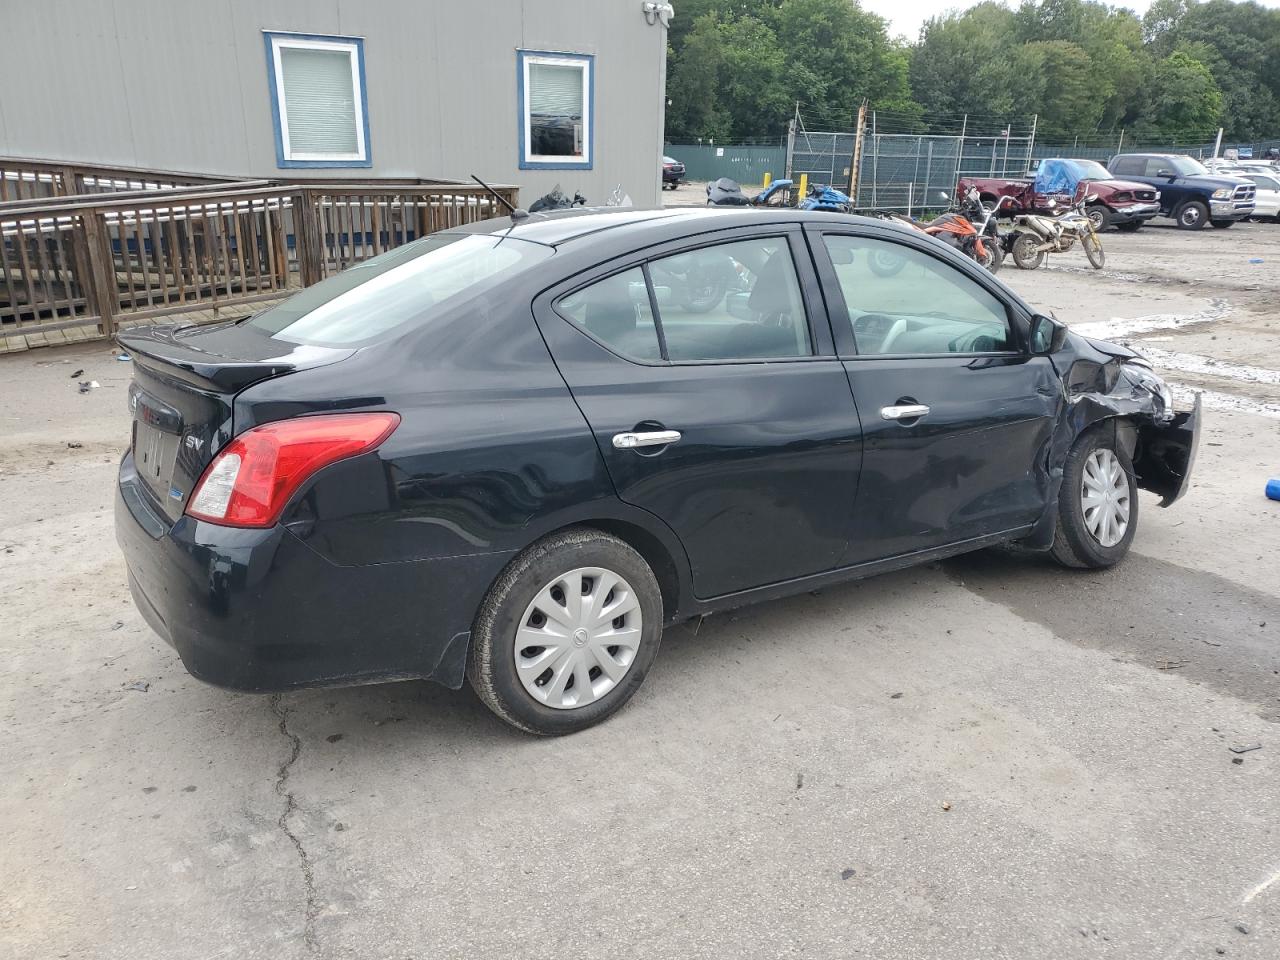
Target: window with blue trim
(555, 105)
(318, 100)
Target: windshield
(1092, 170)
(1186, 167)
(415, 283)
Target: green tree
(1183, 99)
(962, 63)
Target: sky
(907, 16)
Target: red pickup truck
(1124, 204)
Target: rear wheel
(1025, 253)
(1223, 224)
(1132, 226)
(567, 633)
(1192, 215)
(1097, 504)
(1100, 216)
(1093, 250)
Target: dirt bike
(1035, 234)
(979, 241)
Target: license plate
(153, 457)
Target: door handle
(906, 411)
(653, 438)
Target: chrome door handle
(908, 411)
(654, 438)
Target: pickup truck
(1055, 184)
(1189, 193)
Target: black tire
(885, 262)
(1192, 215)
(491, 665)
(1073, 544)
(1133, 226)
(1024, 252)
(1223, 224)
(1093, 250)
(994, 259)
(1100, 215)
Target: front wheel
(1026, 255)
(1191, 215)
(566, 633)
(1223, 224)
(1100, 216)
(1097, 503)
(993, 259)
(1093, 250)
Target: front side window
(555, 94)
(903, 302)
(318, 100)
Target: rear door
(956, 415)
(707, 374)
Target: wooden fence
(140, 253)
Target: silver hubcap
(1104, 495)
(578, 638)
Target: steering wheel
(898, 329)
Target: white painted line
(1262, 886)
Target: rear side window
(616, 312)
(1132, 166)
(729, 301)
(409, 285)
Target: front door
(716, 403)
(956, 414)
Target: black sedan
(672, 173)
(513, 453)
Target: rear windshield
(407, 285)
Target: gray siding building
(527, 92)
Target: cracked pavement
(988, 757)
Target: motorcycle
(555, 200)
(826, 198)
(1035, 234)
(726, 192)
(981, 243)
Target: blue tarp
(1058, 176)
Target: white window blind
(556, 90)
(320, 101)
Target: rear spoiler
(227, 358)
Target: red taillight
(252, 478)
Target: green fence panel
(746, 164)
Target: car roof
(566, 226)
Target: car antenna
(517, 213)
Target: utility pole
(1217, 144)
(855, 162)
(791, 144)
(1120, 142)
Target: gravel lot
(988, 757)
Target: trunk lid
(185, 379)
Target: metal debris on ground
(946, 804)
(77, 374)
(87, 385)
(140, 685)
(74, 444)
(1171, 664)
(1248, 749)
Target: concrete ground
(989, 757)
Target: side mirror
(1047, 335)
(1166, 173)
(943, 195)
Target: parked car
(505, 452)
(1056, 184)
(1267, 200)
(1189, 193)
(672, 173)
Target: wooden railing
(23, 179)
(72, 261)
